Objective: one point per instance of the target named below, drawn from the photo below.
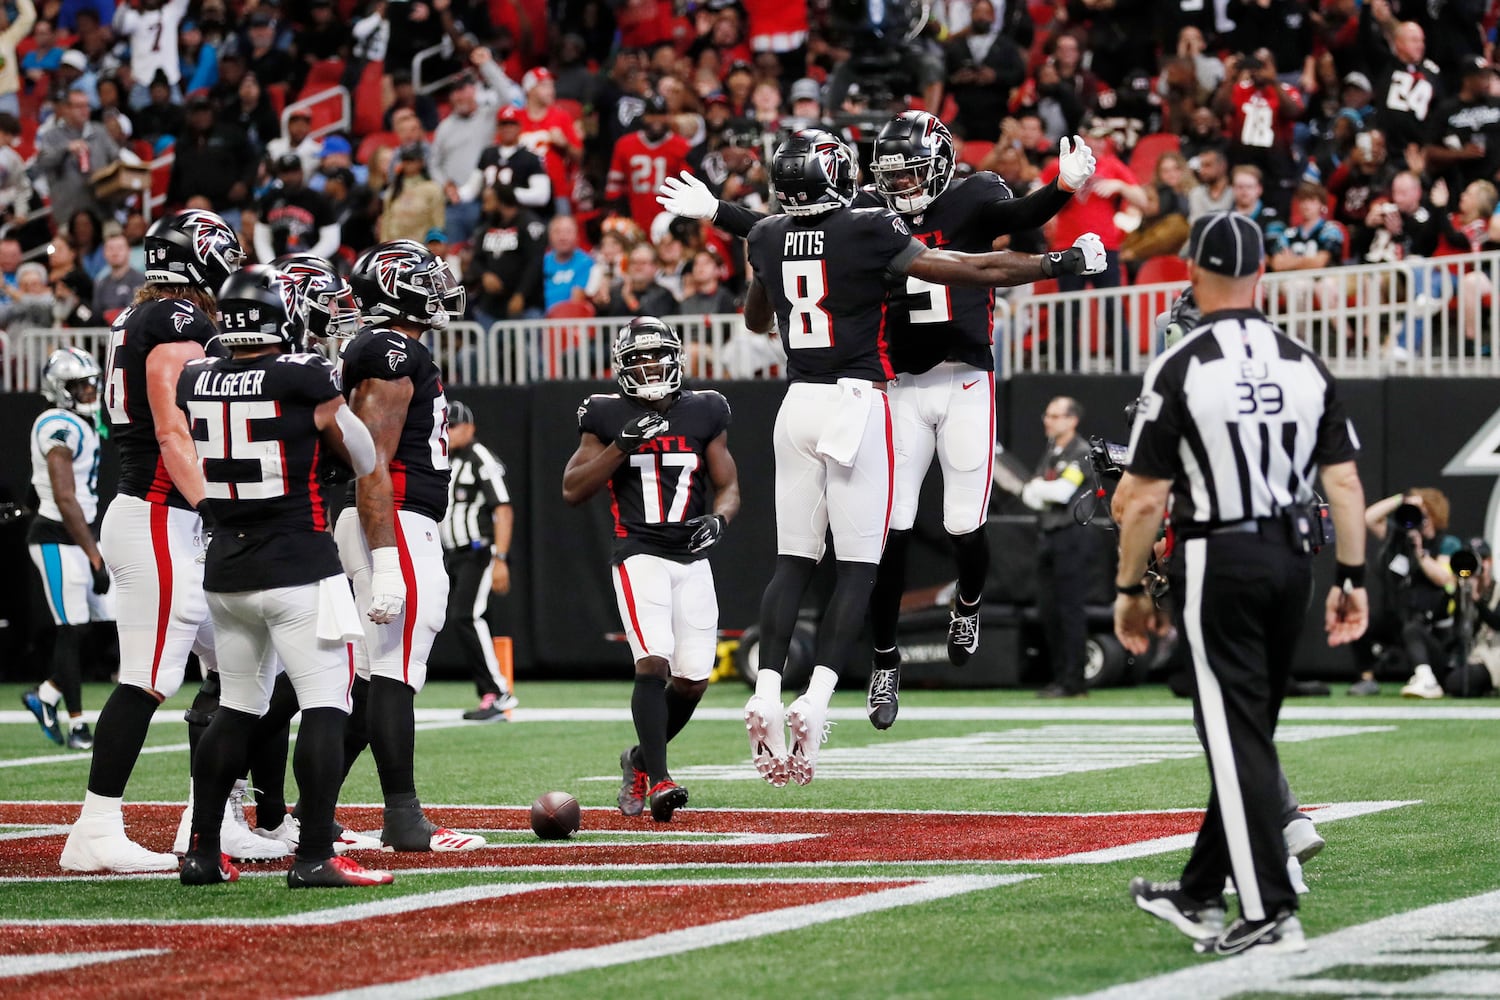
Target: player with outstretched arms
(657, 446)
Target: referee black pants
(1065, 568)
(468, 595)
(1240, 602)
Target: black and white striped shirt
(475, 489)
(1240, 417)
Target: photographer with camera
(1476, 670)
(1417, 599)
(1065, 548)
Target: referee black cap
(459, 414)
(1226, 243)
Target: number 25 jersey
(419, 468)
(664, 484)
(827, 279)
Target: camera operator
(1417, 597)
(1065, 548)
(1477, 672)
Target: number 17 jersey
(664, 484)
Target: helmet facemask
(906, 183)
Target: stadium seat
(276, 94)
(975, 150)
(1161, 269)
(1143, 307)
(1148, 150)
(369, 113)
(370, 143)
(321, 75)
(564, 338)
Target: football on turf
(555, 816)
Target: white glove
(688, 198)
(387, 588)
(1031, 495)
(1075, 166)
(1094, 258)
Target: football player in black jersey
(388, 540)
(822, 271)
(261, 420)
(942, 351)
(651, 443)
(152, 534)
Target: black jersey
(1459, 123)
(664, 484)
(931, 323)
(1406, 99)
(252, 421)
(135, 332)
(419, 469)
(827, 277)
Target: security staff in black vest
(1065, 548)
(475, 533)
(1232, 424)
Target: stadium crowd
(526, 140)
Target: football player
(942, 350)
(388, 540)
(152, 535)
(821, 274)
(64, 471)
(260, 421)
(657, 446)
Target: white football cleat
(99, 844)
(289, 832)
(348, 840)
(236, 839)
(766, 726)
(445, 840)
(1303, 841)
(808, 725)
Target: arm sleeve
(265, 250)
(329, 237)
(538, 190)
(1004, 214)
(737, 220)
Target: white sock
(100, 805)
(820, 688)
(768, 685)
(49, 693)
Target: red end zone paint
(202, 960)
(829, 836)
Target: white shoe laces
(963, 629)
(882, 687)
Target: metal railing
(23, 355)
(443, 49)
(1421, 316)
(336, 92)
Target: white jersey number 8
(805, 283)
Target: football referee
(1233, 424)
(476, 549)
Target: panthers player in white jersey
(64, 472)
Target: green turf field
(1068, 928)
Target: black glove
(101, 578)
(639, 431)
(707, 530)
(1069, 261)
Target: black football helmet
(69, 374)
(647, 356)
(913, 161)
(194, 248)
(258, 305)
(330, 315)
(402, 279)
(813, 172)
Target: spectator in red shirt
(642, 160)
(781, 28)
(1092, 210)
(550, 134)
(1262, 115)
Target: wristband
(385, 560)
(1349, 577)
(1134, 590)
(503, 556)
(1069, 261)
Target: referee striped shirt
(475, 488)
(1239, 417)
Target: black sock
(681, 705)
(67, 672)
(205, 704)
(890, 583)
(357, 728)
(268, 754)
(648, 707)
(121, 732)
(887, 659)
(973, 555)
(320, 771)
(224, 748)
(779, 607)
(845, 615)
(393, 735)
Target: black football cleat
(198, 870)
(883, 696)
(1201, 920)
(633, 785)
(963, 632)
(1282, 933)
(666, 798)
(337, 872)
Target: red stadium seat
(1148, 150)
(1145, 306)
(370, 143)
(1161, 269)
(975, 150)
(369, 114)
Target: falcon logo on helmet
(403, 280)
(913, 162)
(813, 172)
(329, 312)
(194, 248)
(71, 373)
(647, 357)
